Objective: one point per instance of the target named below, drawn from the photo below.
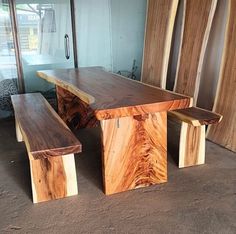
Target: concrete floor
(195, 200)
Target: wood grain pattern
(196, 116)
(159, 29)
(197, 18)
(189, 128)
(225, 132)
(133, 123)
(44, 133)
(134, 152)
(192, 145)
(47, 140)
(53, 178)
(74, 112)
(187, 141)
(112, 96)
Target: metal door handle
(67, 46)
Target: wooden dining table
(132, 117)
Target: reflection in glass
(42, 27)
(8, 70)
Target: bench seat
(187, 133)
(196, 116)
(50, 145)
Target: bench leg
(53, 178)
(188, 142)
(134, 152)
(18, 132)
(192, 145)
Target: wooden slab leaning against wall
(197, 21)
(159, 29)
(225, 102)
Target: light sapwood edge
(71, 178)
(145, 34)
(19, 136)
(181, 44)
(168, 41)
(65, 85)
(25, 139)
(202, 151)
(182, 144)
(79, 93)
(33, 188)
(188, 119)
(167, 47)
(203, 49)
(223, 60)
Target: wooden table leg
(134, 152)
(74, 112)
(53, 178)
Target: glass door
(8, 68)
(46, 42)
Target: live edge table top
(113, 96)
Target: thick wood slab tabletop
(38, 122)
(113, 96)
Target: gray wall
(111, 33)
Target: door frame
(16, 41)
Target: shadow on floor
(16, 164)
(89, 163)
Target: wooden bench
(186, 129)
(50, 145)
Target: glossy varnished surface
(112, 96)
(134, 152)
(196, 116)
(44, 133)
